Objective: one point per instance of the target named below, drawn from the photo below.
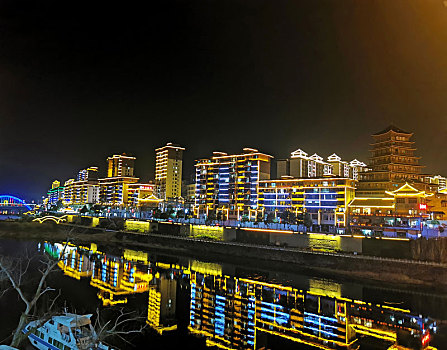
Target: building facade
(113, 190)
(168, 171)
(438, 180)
(84, 190)
(229, 183)
(398, 213)
(301, 165)
(142, 195)
(120, 165)
(56, 193)
(325, 199)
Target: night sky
(81, 81)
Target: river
(227, 305)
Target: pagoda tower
(393, 162)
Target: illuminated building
(398, 212)
(168, 171)
(325, 199)
(56, 193)
(142, 195)
(84, 190)
(189, 195)
(300, 165)
(229, 183)
(74, 263)
(437, 205)
(55, 184)
(113, 190)
(438, 180)
(120, 166)
(162, 304)
(393, 162)
(237, 313)
(117, 278)
(234, 312)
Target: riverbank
(347, 266)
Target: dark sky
(80, 81)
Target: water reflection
(240, 310)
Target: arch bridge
(56, 219)
(12, 205)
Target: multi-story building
(56, 193)
(397, 213)
(120, 165)
(113, 190)
(229, 183)
(189, 195)
(168, 171)
(437, 205)
(300, 165)
(162, 304)
(438, 180)
(393, 162)
(84, 190)
(325, 199)
(243, 313)
(141, 195)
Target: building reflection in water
(243, 313)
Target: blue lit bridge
(11, 205)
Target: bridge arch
(56, 219)
(7, 200)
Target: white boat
(66, 332)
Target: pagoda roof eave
(388, 147)
(407, 190)
(397, 155)
(393, 163)
(392, 128)
(390, 171)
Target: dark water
(188, 303)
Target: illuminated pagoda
(392, 163)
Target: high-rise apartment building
(120, 165)
(168, 171)
(113, 190)
(229, 183)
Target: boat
(64, 332)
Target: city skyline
(322, 79)
(188, 176)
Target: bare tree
(13, 275)
(126, 323)
(13, 272)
